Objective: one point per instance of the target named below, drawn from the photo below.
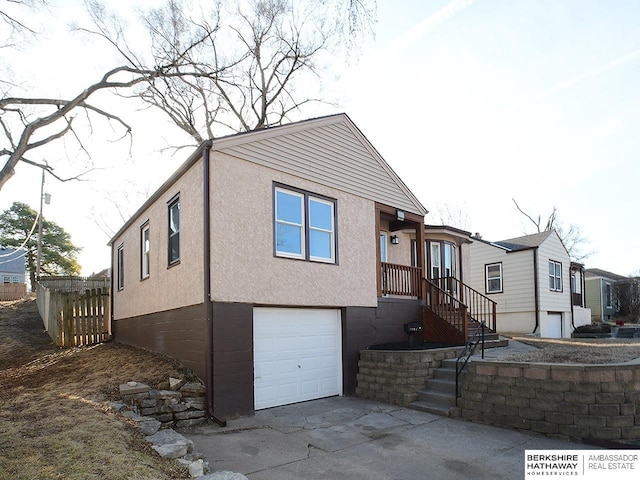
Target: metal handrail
(468, 350)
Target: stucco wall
(166, 287)
(243, 265)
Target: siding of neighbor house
(593, 291)
(552, 249)
(516, 305)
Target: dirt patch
(578, 350)
(54, 419)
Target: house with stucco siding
(263, 265)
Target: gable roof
(596, 272)
(330, 151)
(525, 242)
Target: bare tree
(571, 236)
(245, 69)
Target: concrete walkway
(352, 438)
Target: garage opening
(297, 355)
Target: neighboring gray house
(600, 295)
(12, 265)
(533, 281)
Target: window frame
(306, 199)
(557, 280)
(175, 201)
(145, 251)
(487, 290)
(120, 267)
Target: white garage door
(297, 355)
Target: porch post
(378, 253)
(420, 260)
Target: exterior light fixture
(395, 240)
(400, 215)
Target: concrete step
(447, 387)
(429, 408)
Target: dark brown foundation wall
(179, 333)
(366, 326)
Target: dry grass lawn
(578, 350)
(54, 423)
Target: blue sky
(472, 103)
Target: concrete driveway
(352, 438)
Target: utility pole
(44, 198)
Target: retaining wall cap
(126, 389)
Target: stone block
(573, 408)
(193, 389)
(624, 374)
(579, 397)
(555, 386)
(472, 415)
(132, 388)
(516, 421)
(176, 383)
(632, 397)
(536, 372)
(544, 405)
(495, 399)
(510, 371)
(629, 433)
(610, 387)
(498, 389)
(165, 394)
(532, 414)
(568, 374)
(517, 401)
(559, 418)
(577, 432)
(164, 417)
(486, 369)
(544, 427)
(628, 409)
(590, 421)
(605, 433)
(604, 409)
(594, 375)
(509, 410)
(149, 402)
(149, 411)
(477, 387)
(610, 398)
(523, 392)
(620, 421)
(550, 396)
(192, 422)
(585, 387)
(494, 418)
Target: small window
(383, 247)
(435, 260)
(120, 273)
(304, 226)
(16, 280)
(6, 279)
(555, 276)
(493, 278)
(145, 249)
(607, 295)
(290, 224)
(174, 231)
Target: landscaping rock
(224, 475)
(149, 427)
(170, 444)
(176, 383)
(196, 469)
(193, 389)
(132, 388)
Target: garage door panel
(297, 355)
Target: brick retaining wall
(575, 402)
(396, 376)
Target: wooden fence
(12, 291)
(75, 318)
(74, 284)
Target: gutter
(535, 288)
(208, 305)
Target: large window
(145, 249)
(120, 268)
(435, 261)
(174, 230)
(555, 276)
(607, 295)
(493, 278)
(304, 226)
